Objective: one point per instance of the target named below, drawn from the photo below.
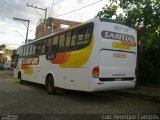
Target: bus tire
(20, 78)
(50, 85)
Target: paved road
(33, 99)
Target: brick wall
(56, 26)
(58, 22)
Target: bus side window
(38, 49)
(18, 51)
(81, 40)
(34, 48)
(88, 32)
(24, 51)
(74, 36)
(30, 49)
(68, 40)
(81, 34)
(84, 35)
(27, 50)
(61, 41)
(21, 52)
(43, 44)
(49, 44)
(55, 43)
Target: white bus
(97, 55)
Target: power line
(79, 8)
(13, 43)
(38, 13)
(23, 23)
(38, 8)
(70, 11)
(44, 16)
(20, 34)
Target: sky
(13, 33)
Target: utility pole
(44, 15)
(26, 26)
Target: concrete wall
(6, 53)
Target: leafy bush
(144, 15)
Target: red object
(95, 72)
(128, 43)
(61, 58)
(119, 55)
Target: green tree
(144, 15)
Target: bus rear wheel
(50, 85)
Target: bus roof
(115, 21)
(91, 20)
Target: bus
(96, 55)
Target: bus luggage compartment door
(116, 65)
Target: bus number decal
(51, 56)
(119, 55)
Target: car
(1, 66)
(7, 65)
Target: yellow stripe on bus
(29, 70)
(120, 45)
(79, 57)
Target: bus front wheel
(50, 85)
(20, 78)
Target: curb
(137, 95)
